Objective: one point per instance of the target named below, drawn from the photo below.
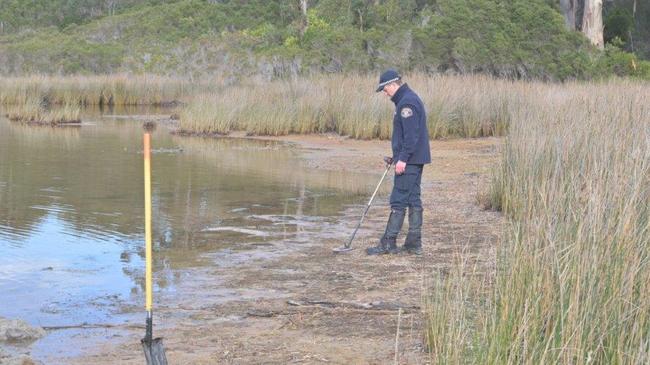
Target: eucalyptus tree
(585, 16)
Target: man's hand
(388, 160)
(400, 167)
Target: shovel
(153, 348)
(347, 247)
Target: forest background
(521, 39)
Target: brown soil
(314, 306)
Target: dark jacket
(410, 139)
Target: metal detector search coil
(348, 245)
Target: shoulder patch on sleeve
(406, 112)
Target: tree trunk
(635, 26)
(592, 22)
(360, 20)
(303, 8)
(305, 19)
(569, 11)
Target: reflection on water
(71, 213)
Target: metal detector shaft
(349, 243)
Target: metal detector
(347, 247)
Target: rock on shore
(16, 330)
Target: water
(72, 218)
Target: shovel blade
(342, 249)
(154, 351)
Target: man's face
(390, 89)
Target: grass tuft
(34, 111)
(93, 90)
(572, 285)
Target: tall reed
(573, 279)
(347, 105)
(344, 104)
(34, 111)
(120, 89)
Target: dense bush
(619, 23)
(18, 15)
(632, 27)
(515, 39)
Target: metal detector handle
(349, 243)
(378, 185)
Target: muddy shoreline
(307, 305)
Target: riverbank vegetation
(523, 39)
(457, 106)
(34, 111)
(100, 90)
(572, 276)
(461, 106)
(347, 105)
(57, 100)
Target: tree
(111, 4)
(305, 17)
(569, 10)
(585, 16)
(592, 22)
(634, 23)
(619, 23)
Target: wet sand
(313, 306)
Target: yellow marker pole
(147, 219)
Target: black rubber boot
(387, 244)
(413, 242)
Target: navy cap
(386, 78)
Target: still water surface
(71, 213)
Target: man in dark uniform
(410, 143)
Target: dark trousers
(406, 188)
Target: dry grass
(34, 111)
(94, 90)
(56, 100)
(573, 279)
(343, 104)
(347, 105)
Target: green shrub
(524, 39)
(618, 23)
(615, 61)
